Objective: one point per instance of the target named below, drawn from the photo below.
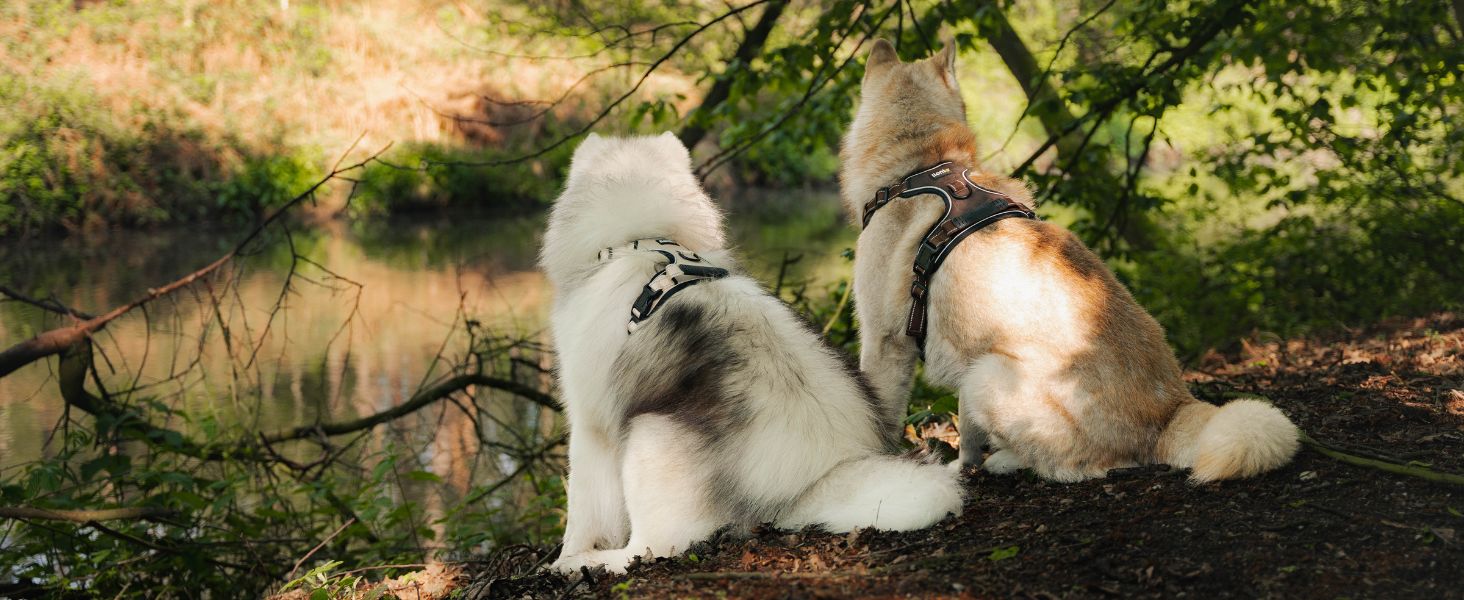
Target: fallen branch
(1382, 465)
(419, 400)
(76, 363)
(85, 516)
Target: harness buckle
(918, 289)
(924, 256)
(682, 268)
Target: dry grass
(240, 78)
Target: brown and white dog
(1051, 356)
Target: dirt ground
(1317, 528)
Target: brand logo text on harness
(968, 208)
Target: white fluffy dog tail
(882, 492)
(1240, 439)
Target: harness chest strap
(683, 269)
(968, 208)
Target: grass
(138, 114)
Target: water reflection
(334, 349)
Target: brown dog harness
(969, 207)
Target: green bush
(66, 164)
(424, 177)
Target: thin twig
(322, 544)
(838, 310)
(1382, 465)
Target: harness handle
(969, 207)
(683, 269)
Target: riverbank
(137, 115)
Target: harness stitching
(968, 208)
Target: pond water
(333, 351)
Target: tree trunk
(752, 46)
(1055, 115)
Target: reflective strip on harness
(683, 269)
(968, 208)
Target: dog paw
(568, 565)
(1003, 462)
(968, 459)
(614, 561)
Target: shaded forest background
(1248, 168)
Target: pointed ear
(880, 57)
(585, 154)
(673, 145)
(945, 60)
(590, 141)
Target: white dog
(1051, 355)
(721, 407)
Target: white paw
(1003, 462)
(614, 561)
(569, 565)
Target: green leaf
(376, 592)
(1004, 553)
(424, 476)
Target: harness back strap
(683, 269)
(968, 208)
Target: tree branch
(1382, 465)
(604, 112)
(58, 340)
(418, 401)
(1060, 123)
(85, 516)
(751, 46)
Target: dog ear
(585, 154)
(945, 60)
(673, 146)
(591, 141)
(880, 56)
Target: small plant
(1004, 553)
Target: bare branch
(85, 516)
(752, 45)
(418, 401)
(57, 340)
(686, 39)
(50, 304)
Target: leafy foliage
(237, 515)
(1242, 164)
(1239, 168)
